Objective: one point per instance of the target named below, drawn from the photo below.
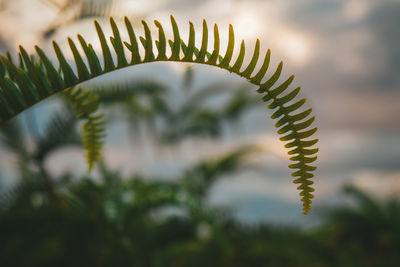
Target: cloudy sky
(345, 55)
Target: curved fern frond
(23, 86)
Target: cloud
(344, 151)
(378, 183)
(384, 22)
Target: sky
(345, 55)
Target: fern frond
(93, 132)
(85, 104)
(23, 86)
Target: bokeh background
(345, 55)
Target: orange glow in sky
(295, 46)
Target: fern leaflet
(85, 104)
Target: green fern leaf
(85, 103)
(93, 132)
(30, 82)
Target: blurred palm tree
(58, 133)
(171, 119)
(367, 233)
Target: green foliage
(364, 234)
(199, 179)
(12, 137)
(59, 131)
(120, 221)
(141, 100)
(23, 86)
(170, 121)
(85, 103)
